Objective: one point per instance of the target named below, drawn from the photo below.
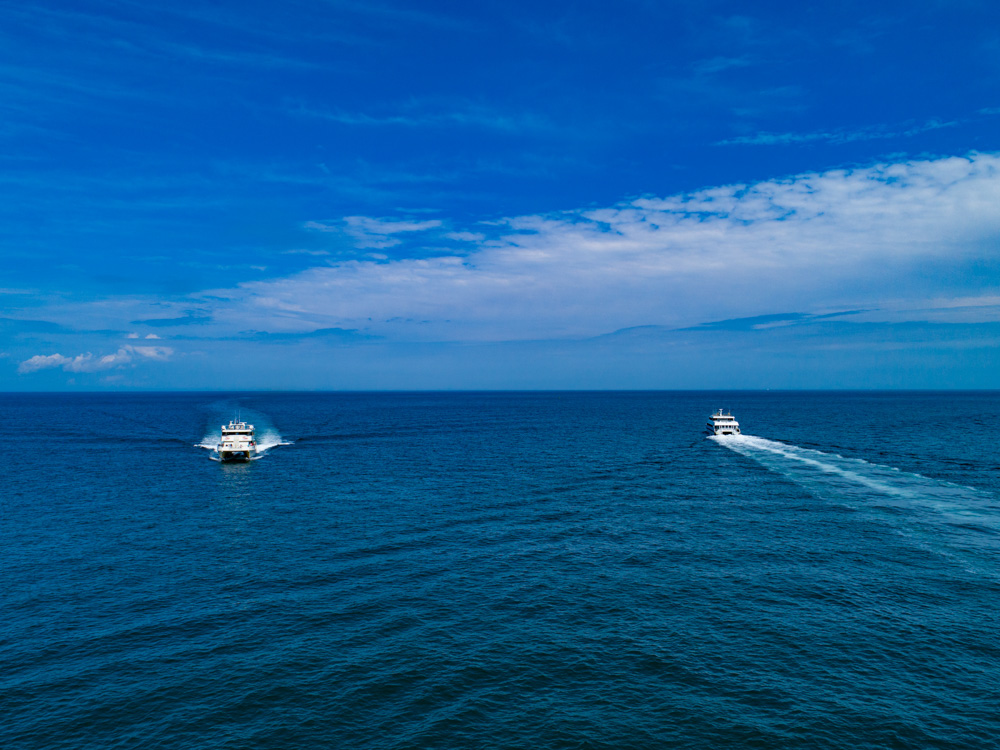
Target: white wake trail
(861, 483)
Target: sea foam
(861, 483)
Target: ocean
(501, 570)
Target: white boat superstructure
(723, 424)
(238, 442)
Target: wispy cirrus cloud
(189, 318)
(374, 233)
(719, 64)
(125, 356)
(122, 30)
(431, 114)
(836, 136)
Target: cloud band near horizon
(885, 235)
(915, 234)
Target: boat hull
(235, 457)
(712, 431)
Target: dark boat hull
(235, 457)
(711, 431)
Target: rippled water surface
(557, 570)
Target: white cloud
(159, 353)
(319, 227)
(861, 237)
(126, 355)
(466, 236)
(151, 336)
(43, 362)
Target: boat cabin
(237, 428)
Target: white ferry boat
(238, 442)
(723, 424)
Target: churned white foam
(209, 442)
(856, 481)
(853, 471)
(268, 439)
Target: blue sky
(341, 194)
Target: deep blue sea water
(501, 570)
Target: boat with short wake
(723, 424)
(238, 443)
